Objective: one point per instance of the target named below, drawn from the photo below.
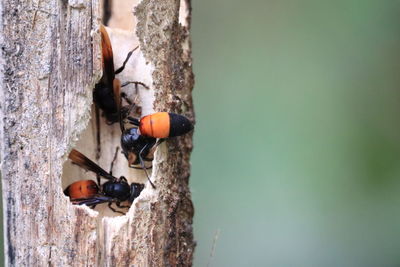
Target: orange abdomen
(156, 125)
(82, 189)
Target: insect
(107, 91)
(88, 192)
(138, 143)
(108, 86)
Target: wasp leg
(120, 69)
(159, 142)
(124, 96)
(114, 210)
(121, 206)
(113, 161)
(140, 168)
(153, 149)
(98, 180)
(125, 111)
(151, 152)
(133, 121)
(143, 166)
(135, 83)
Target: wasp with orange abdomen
(138, 143)
(90, 193)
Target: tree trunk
(50, 61)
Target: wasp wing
(103, 93)
(82, 161)
(108, 60)
(118, 101)
(92, 201)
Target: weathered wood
(50, 62)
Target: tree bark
(50, 61)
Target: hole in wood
(99, 141)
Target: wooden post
(50, 61)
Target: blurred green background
(297, 142)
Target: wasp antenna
(145, 169)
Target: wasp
(108, 87)
(139, 142)
(90, 193)
(107, 91)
